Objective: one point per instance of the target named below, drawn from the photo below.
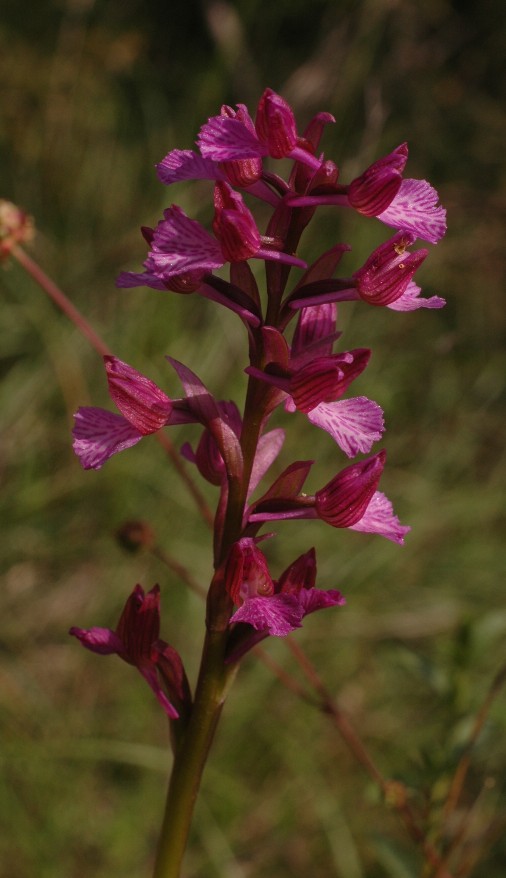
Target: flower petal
(100, 640)
(411, 300)
(181, 244)
(279, 614)
(379, 518)
(206, 410)
(247, 572)
(185, 164)
(139, 624)
(319, 599)
(224, 139)
(415, 209)
(299, 576)
(128, 279)
(275, 124)
(98, 434)
(355, 424)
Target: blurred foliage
(93, 95)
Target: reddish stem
(60, 299)
(393, 791)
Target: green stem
(215, 677)
(190, 757)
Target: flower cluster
(297, 368)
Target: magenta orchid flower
(185, 164)
(344, 500)
(230, 137)
(385, 278)
(274, 608)
(180, 245)
(406, 205)
(144, 407)
(194, 281)
(188, 165)
(313, 380)
(135, 640)
(349, 500)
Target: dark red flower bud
(275, 124)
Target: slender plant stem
(60, 299)
(459, 777)
(215, 676)
(190, 758)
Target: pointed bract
(315, 330)
(268, 449)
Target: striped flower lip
(272, 607)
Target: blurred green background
(93, 94)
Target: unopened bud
(135, 535)
(16, 227)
